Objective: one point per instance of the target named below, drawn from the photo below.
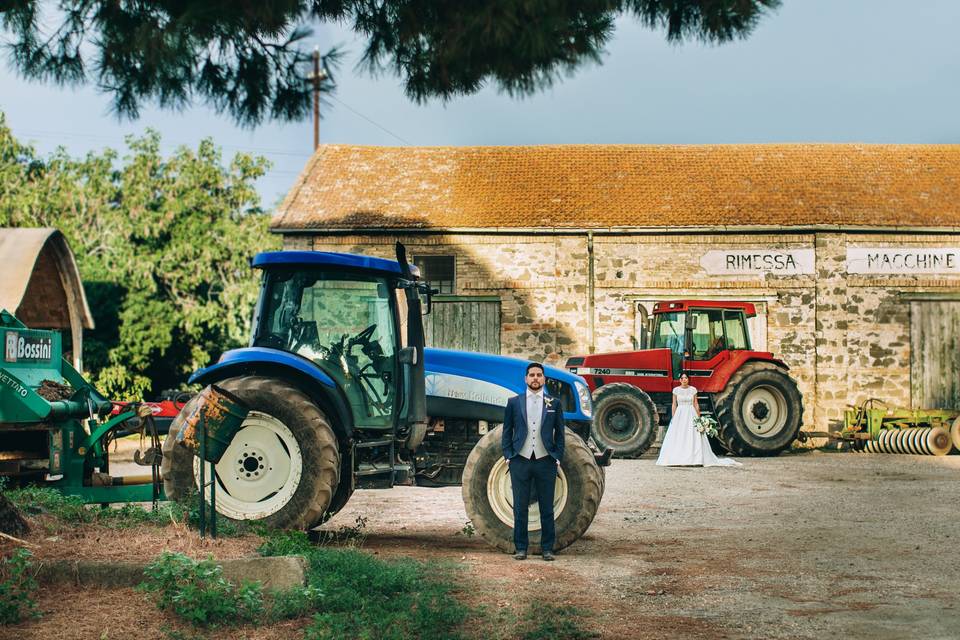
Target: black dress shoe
(520, 555)
(548, 556)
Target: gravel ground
(802, 546)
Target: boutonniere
(548, 402)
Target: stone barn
(851, 253)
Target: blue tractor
(343, 396)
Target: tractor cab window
(735, 330)
(707, 339)
(345, 325)
(668, 332)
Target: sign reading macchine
(899, 261)
(787, 262)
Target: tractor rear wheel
(488, 494)
(759, 411)
(282, 467)
(624, 419)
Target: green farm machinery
(873, 427)
(55, 428)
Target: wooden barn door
(935, 354)
(465, 323)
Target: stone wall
(845, 336)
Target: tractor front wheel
(759, 411)
(282, 466)
(488, 494)
(624, 419)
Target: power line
(381, 127)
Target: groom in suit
(533, 433)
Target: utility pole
(317, 76)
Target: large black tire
(624, 419)
(760, 411)
(488, 497)
(305, 490)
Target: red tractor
(755, 401)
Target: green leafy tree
(163, 246)
(246, 58)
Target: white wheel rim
(259, 472)
(764, 411)
(500, 496)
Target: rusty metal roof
(625, 186)
(41, 284)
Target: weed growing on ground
(286, 543)
(294, 603)
(348, 535)
(544, 621)
(468, 529)
(17, 586)
(359, 596)
(198, 593)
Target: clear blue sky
(814, 71)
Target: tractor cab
(355, 318)
(700, 334)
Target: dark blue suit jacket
(515, 426)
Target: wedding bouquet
(705, 425)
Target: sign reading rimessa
(775, 261)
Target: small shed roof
(625, 186)
(41, 284)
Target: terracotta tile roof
(611, 186)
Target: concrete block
(279, 572)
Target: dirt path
(816, 545)
(801, 546)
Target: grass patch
(17, 586)
(349, 594)
(544, 621)
(364, 597)
(35, 501)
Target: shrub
(17, 587)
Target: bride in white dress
(684, 446)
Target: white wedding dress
(684, 446)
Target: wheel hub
(764, 411)
(250, 464)
(620, 422)
(760, 411)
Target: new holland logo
(19, 348)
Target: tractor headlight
(586, 402)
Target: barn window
(438, 271)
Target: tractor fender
(774, 361)
(288, 366)
(736, 361)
